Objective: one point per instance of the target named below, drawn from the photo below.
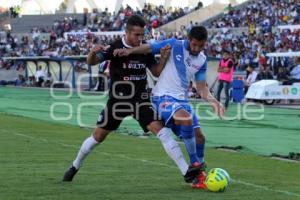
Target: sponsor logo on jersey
(135, 78)
(136, 66)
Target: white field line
(155, 163)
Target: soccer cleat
(199, 181)
(192, 172)
(69, 175)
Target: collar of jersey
(186, 44)
(125, 44)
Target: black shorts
(116, 110)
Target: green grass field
(34, 155)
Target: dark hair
(226, 51)
(198, 33)
(135, 20)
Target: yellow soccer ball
(217, 180)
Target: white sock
(173, 149)
(85, 149)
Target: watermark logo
(76, 105)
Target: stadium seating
(248, 45)
(262, 13)
(28, 22)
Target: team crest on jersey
(188, 61)
(165, 104)
(178, 57)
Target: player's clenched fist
(165, 51)
(100, 47)
(121, 52)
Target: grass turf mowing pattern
(34, 155)
(278, 131)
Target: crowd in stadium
(247, 48)
(58, 45)
(263, 13)
(154, 15)
(97, 20)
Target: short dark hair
(198, 33)
(226, 51)
(135, 20)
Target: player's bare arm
(92, 58)
(143, 49)
(204, 92)
(164, 56)
(224, 69)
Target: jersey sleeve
(103, 66)
(156, 46)
(200, 75)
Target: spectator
(48, 80)
(225, 77)
(295, 74)
(276, 62)
(251, 78)
(264, 73)
(85, 17)
(20, 81)
(31, 81)
(40, 76)
(282, 75)
(53, 37)
(199, 5)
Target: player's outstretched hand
(100, 47)
(121, 52)
(165, 51)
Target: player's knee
(182, 117)
(155, 127)
(186, 121)
(100, 134)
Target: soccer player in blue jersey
(170, 96)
